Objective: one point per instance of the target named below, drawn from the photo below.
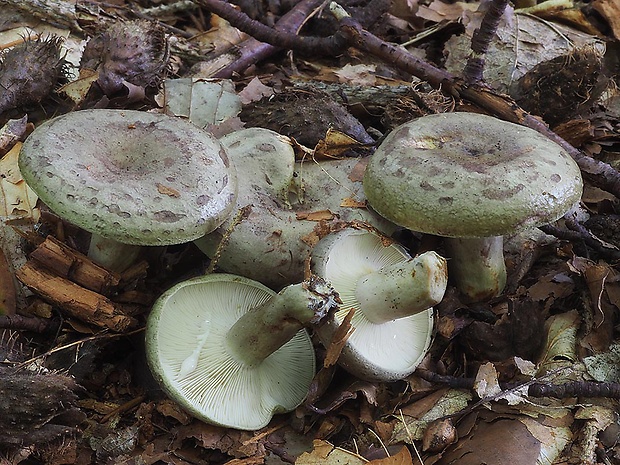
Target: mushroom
(130, 178)
(473, 179)
(233, 352)
(287, 201)
(392, 295)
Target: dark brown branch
(576, 232)
(27, 323)
(332, 45)
(535, 389)
(482, 39)
(252, 51)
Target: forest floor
(527, 377)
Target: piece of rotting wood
(74, 300)
(68, 263)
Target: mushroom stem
(266, 328)
(402, 289)
(112, 254)
(477, 266)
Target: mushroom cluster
(225, 346)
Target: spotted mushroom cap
(470, 175)
(135, 177)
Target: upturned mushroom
(130, 178)
(392, 295)
(473, 179)
(231, 351)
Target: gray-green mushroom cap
(470, 175)
(135, 177)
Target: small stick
(28, 323)
(252, 51)
(482, 39)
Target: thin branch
(252, 51)
(28, 323)
(331, 45)
(535, 388)
(481, 40)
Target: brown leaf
(315, 216)
(610, 10)
(348, 202)
(325, 453)
(335, 145)
(402, 458)
(167, 190)
(500, 442)
(517, 332)
(339, 339)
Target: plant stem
(481, 40)
(403, 289)
(477, 266)
(266, 328)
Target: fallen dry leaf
(169, 191)
(402, 458)
(325, 453)
(254, 91)
(348, 202)
(315, 216)
(17, 200)
(341, 335)
(610, 10)
(486, 384)
(335, 145)
(78, 90)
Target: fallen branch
(251, 51)
(74, 300)
(29, 323)
(535, 388)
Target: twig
(285, 40)
(535, 388)
(481, 40)
(28, 323)
(252, 51)
(578, 233)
